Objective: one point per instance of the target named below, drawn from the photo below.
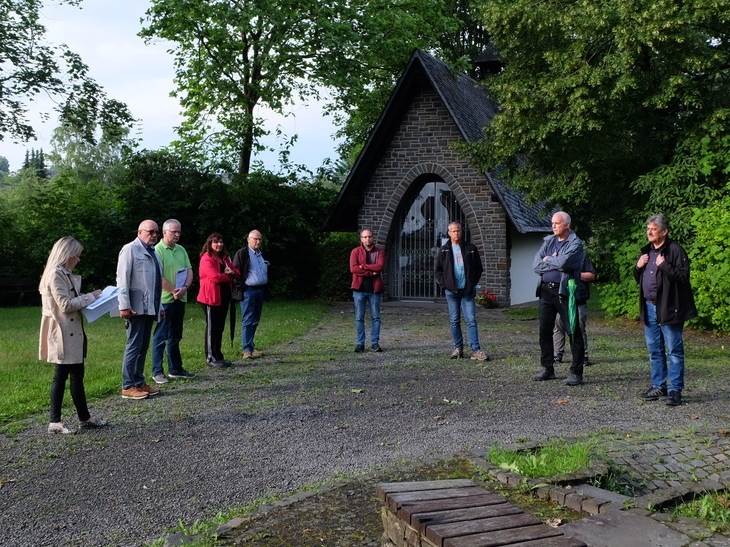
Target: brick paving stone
(673, 467)
(684, 476)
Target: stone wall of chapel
(422, 145)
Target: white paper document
(180, 278)
(107, 303)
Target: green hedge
(159, 185)
(710, 264)
(334, 264)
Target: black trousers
(215, 322)
(58, 386)
(550, 306)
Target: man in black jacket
(665, 303)
(458, 269)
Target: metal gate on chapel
(421, 228)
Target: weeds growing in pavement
(617, 482)
(711, 508)
(549, 461)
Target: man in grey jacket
(139, 280)
(559, 260)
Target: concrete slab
(623, 529)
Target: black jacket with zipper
(472, 268)
(674, 301)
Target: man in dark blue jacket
(665, 303)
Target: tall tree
(4, 168)
(233, 56)
(597, 94)
(30, 66)
(101, 159)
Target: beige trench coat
(62, 332)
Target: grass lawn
(26, 381)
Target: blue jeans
(169, 333)
(139, 328)
(253, 301)
(458, 306)
(362, 300)
(666, 351)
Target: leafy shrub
(43, 211)
(334, 261)
(710, 264)
(620, 296)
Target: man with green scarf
(558, 263)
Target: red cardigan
(360, 269)
(211, 278)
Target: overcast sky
(104, 33)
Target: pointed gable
(469, 107)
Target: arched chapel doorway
(420, 227)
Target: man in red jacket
(366, 266)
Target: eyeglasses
(217, 241)
(150, 231)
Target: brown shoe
(134, 393)
(255, 354)
(150, 390)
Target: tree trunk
(244, 154)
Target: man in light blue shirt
(458, 270)
(251, 288)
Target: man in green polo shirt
(177, 276)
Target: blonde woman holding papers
(62, 337)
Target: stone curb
(667, 496)
(646, 505)
(548, 490)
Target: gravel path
(311, 409)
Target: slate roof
(471, 109)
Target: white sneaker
(160, 379)
(58, 427)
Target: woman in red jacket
(216, 273)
